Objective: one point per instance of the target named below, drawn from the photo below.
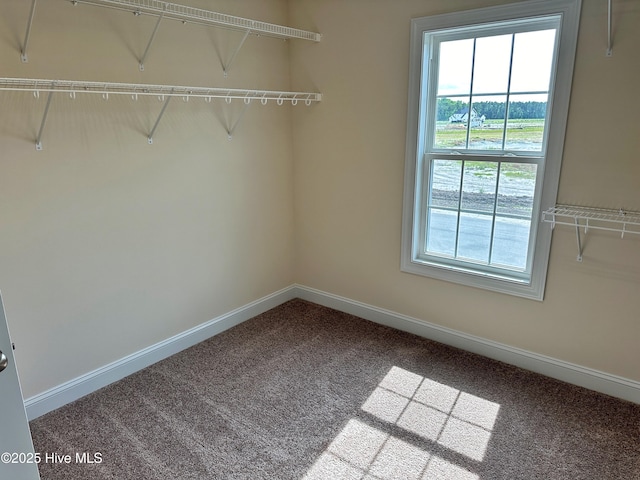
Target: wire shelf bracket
(23, 52)
(586, 218)
(227, 65)
(163, 92)
(609, 28)
(44, 120)
(155, 125)
(231, 129)
(153, 36)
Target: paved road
(510, 237)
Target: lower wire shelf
(163, 92)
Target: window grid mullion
(480, 212)
(426, 216)
(473, 65)
(495, 207)
(506, 112)
(455, 255)
(492, 94)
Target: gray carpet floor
(305, 392)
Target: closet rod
(134, 89)
(196, 15)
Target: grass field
(521, 135)
(523, 171)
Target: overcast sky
(532, 59)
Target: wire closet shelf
(196, 15)
(73, 87)
(164, 93)
(587, 218)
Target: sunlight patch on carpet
(435, 412)
(457, 420)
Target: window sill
(476, 279)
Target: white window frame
(416, 179)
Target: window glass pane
(445, 183)
(526, 122)
(516, 189)
(532, 60)
(491, 64)
(510, 242)
(444, 192)
(474, 237)
(454, 73)
(451, 122)
(441, 232)
(487, 122)
(479, 186)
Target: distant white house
(462, 116)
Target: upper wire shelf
(185, 14)
(196, 15)
(621, 221)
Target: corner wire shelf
(163, 92)
(621, 221)
(186, 14)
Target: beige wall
(348, 178)
(108, 244)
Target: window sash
(429, 75)
(429, 101)
(420, 253)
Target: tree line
(492, 110)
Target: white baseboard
(575, 374)
(79, 387)
(568, 372)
